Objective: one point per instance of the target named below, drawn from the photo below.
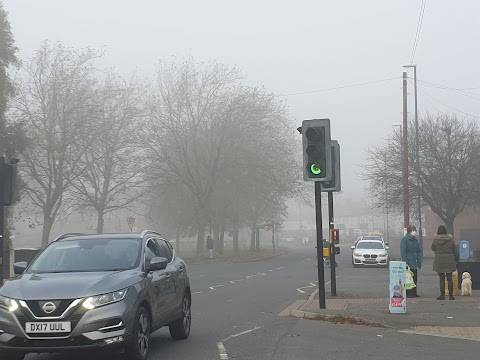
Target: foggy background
(307, 52)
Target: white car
(370, 253)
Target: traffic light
(335, 183)
(335, 236)
(10, 182)
(317, 161)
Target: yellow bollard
(455, 284)
(326, 252)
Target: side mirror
(158, 263)
(19, 267)
(387, 247)
(352, 247)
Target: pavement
(425, 315)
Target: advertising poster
(398, 292)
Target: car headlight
(383, 255)
(357, 254)
(9, 304)
(93, 302)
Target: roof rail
(146, 232)
(63, 236)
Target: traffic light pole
(2, 218)
(333, 274)
(320, 267)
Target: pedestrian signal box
(335, 236)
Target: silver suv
(95, 291)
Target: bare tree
(55, 98)
(449, 167)
(189, 128)
(113, 171)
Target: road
(235, 315)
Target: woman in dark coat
(412, 255)
(446, 259)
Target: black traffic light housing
(317, 158)
(335, 236)
(335, 184)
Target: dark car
(95, 291)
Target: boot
(451, 297)
(441, 297)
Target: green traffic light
(315, 169)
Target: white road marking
(306, 287)
(197, 292)
(270, 270)
(312, 284)
(222, 351)
(281, 267)
(235, 281)
(241, 333)
(263, 274)
(214, 287)
(250, 276)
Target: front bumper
(108, 325)
(378, 261)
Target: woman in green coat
(446, 259)
(412, 255)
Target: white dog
(466, 284)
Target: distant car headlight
(383, 255)
(9, 304)
(93, 302)
(357, 254)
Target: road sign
(130, 222)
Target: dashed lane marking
(241, 333)
(214, 287)
(197, 292)
(222, 351)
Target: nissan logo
(49, 307)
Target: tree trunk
(177, 239)
(100, 221)
(253, 237)
(216, 240)
(200, 238)
(236, 233)
(47, 227)
(449, 226)
(222, 239)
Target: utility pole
(406, 200)
(331, 226)
(3, 254)
(320, 267)
(417, 156)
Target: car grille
(36, 307)
(370, 256)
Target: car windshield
(88, 255)
(372, 238)
(375, 245)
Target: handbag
(410, 284)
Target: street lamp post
(417, 155)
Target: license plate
(48, 327)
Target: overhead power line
(341, 87)
(446, 105)
(419, 29)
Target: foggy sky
(287, 46)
